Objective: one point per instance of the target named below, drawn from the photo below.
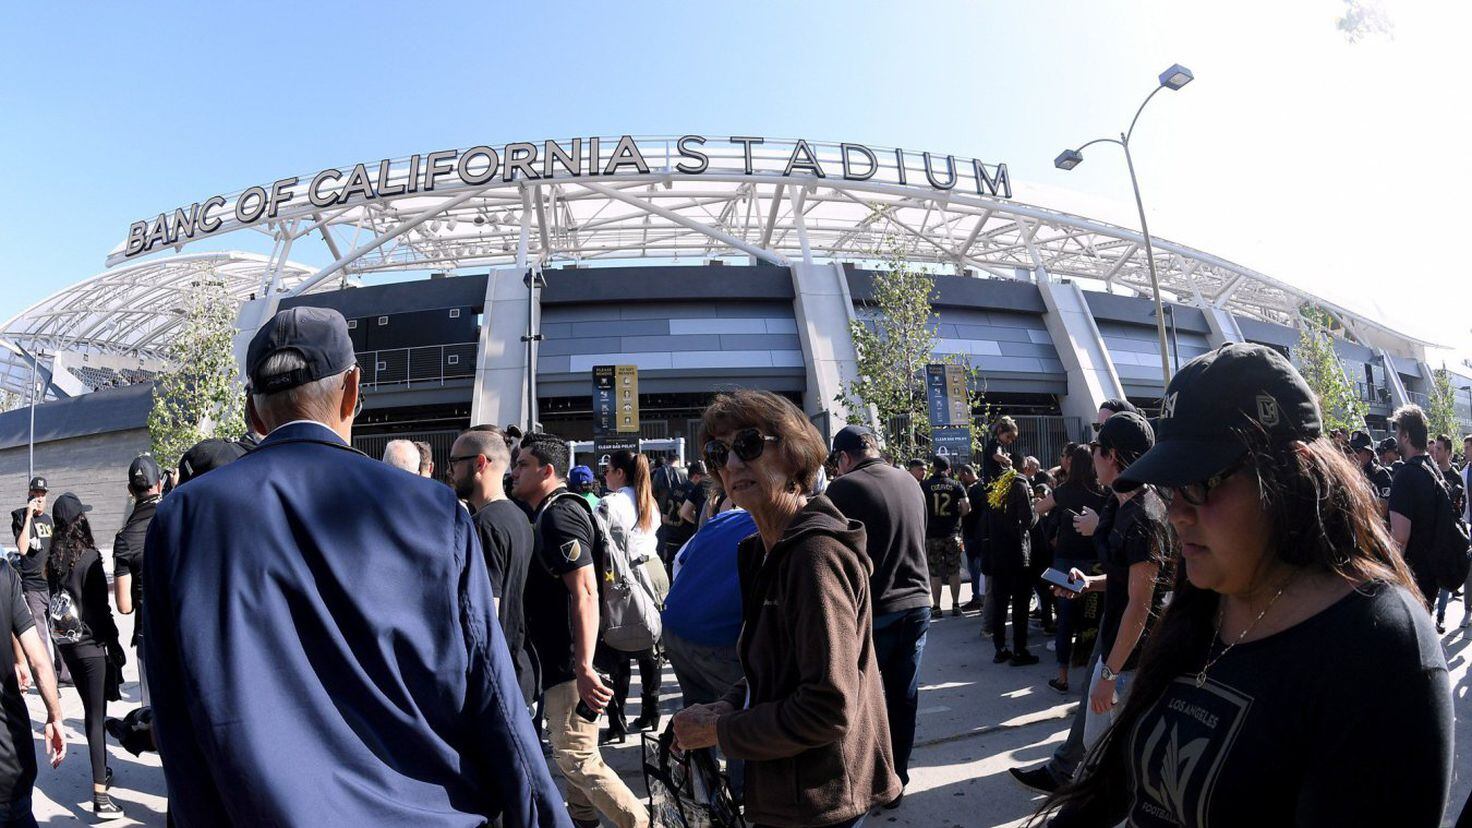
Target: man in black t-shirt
(945, 504)
(562, 625)
(1440, 450)
(1414, 498)
(145, 486)
(32, 528)
(971, 539)
(683, 517)
(478, 464)
(17, 755)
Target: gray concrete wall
(93, 466)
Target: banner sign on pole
(606, 445)
(947, 395)
(603, 405)
(626, 379)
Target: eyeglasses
(454, 459)
(1196, 493)
(748, 443)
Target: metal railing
(420, 365)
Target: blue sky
(1318, 161)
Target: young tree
(1441, 409)
(200, 395)
(1324, 373)
(895, 339)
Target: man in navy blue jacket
(323, 645)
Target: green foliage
(1441, 410)
(200, 395)
(894, 337)
(1324, 373)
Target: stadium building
(706, 262)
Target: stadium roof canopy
(128, 312)
(759, 198)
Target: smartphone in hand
(1060, 579)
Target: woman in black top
(1072, 550)
(1296, 678)
(90, 648)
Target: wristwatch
(1106, 673)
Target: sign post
(615, 409)
(948, 401)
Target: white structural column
(823, 310)
(500, 369)
(1398, 394)
(253, 314)
(1091, 376)
(1222, 326)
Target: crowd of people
(327, 638)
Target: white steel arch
(128, 312)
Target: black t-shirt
(943, 497)
(17, 751)
(34, 549)
(1415, 495)
(1071, 499)
(562, 543)
(506, 540)
(127, 556)
(675, 534)
(86, 583)
(1343, 719)
(990, 468)
(1136, 528)
(1379, 478)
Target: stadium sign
(485, 166)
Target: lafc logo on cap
(1168, 408)
(571, 551)
(1267, 410)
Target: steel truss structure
(738, 206)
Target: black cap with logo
(144, 473)
(208, 455)
(1212, 402)
(318, 335)
(1128, 433)
(1360, 441)
(1387, 445)
(38, 483)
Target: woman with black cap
(1295, 678)
(82, 624)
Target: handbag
(686, 789)
(65, 618)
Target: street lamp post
(1173, 78)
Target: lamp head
(1176, 76)
(1068, 159)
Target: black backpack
(1451, 550)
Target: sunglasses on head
(748, 444)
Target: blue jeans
(899, 642)
(1068, 610)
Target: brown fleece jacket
(810, 717)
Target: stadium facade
(707, 263)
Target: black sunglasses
(1197, 493)
(748, 443)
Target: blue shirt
(323, 650)
(704, 604)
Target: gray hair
(315, 400)
(402, 454)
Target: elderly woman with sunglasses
(809, 717)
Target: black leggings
(620, 674)
(89, 674)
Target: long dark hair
(1081, 470)
(67, 547)
(635, 468)
(1321, 517)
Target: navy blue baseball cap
(318, 335)
(1210, 406)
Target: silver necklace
(1221, 614)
